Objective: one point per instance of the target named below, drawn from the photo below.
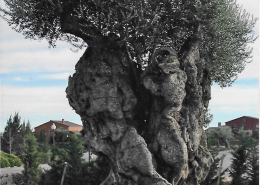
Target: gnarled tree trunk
(147, 123)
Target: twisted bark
(148, 124)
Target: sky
(33, 79)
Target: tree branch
(79, 27)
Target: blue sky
(33, 79)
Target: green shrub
(9, 160)
(4, 161)
(14, 160)
(45, 157)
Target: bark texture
(148, 124)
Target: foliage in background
(252, 164)
(255, 134)
(244, 157)
(44, 147)
(31, 160)
(207, 118)
(78, 172)
(13, 136)
(212, 176)
(238, 166)
(70, 152)
(225, 135)
(220, 136)
(212, 140)
(213, 172)
(9, 160)
(61, 135)
(96, 171)
(25, 128)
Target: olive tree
(142, 87)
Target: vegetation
(61, 135)
(25, 129)
(212, 140)
(9, 160)
(11, 139)
(225, 135)
(213, 172)
(252, 164)
(238, 166)
(220, 136)
(44, 147)
(207, 118)
(71, 153)
(245, 159)
(13, 134)
(96, 171)
(245, 162)
(141, 26)
(78, 171)
(213, 145)
(31, 160)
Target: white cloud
(31, 99)
(59, 76)
(19, 54)
(18, 79)
(232, 99)
(62, 60)
(11, 41)
(30, 102)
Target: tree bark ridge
(143, 145)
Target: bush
(9, 160)
(45, 157)
(4, 161)
(96, 171)
(14, 160)
(78, 172)
(31, 159)
(92, 173)
(244, 168)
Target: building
(71, 127)
(217, 129)
(244, 122)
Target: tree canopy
(222, 28)
(31, 159)
(13, 134)
(11, 138)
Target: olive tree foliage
(224, 28)
(207, 118)
(225, 134)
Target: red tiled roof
(68, 123)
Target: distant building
(216, 129)
(244, 122)
(71, 127)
